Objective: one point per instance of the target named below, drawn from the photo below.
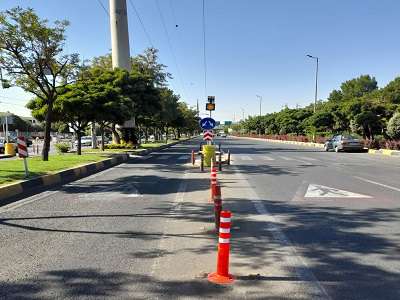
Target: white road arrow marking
(321, 191)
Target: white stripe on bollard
(225, 220)
(223, 241)
(224, 230)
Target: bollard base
(219, 279)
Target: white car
(85, 141)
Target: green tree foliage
(31, 53)
(393, 127)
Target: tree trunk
(166, 135)
(47, 129)
(79, 148)
(102, 137)
(115, 136)
(94, 137)
(146, 135)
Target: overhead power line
(170, 46)
(104, 8)
(141, 23)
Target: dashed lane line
(285, 158)
(267, 158)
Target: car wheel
(326, 148)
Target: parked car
(343, 142)
(85, 141)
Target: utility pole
(119, 35)
(120, 50)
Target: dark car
(344, 142)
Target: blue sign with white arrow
(207, 123)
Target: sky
(253, 47)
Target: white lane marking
(245, 157)
(296, 261)
(182, 157)
(176, 206)
(285, 158)
(163, 157)
(322, 191)
(267, 158)
(308, 158)
(377, 183)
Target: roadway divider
(222, 276)
(217, 157)
(385, 152)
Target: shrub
(62, 147)
(120, 146)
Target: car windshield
(348, 137)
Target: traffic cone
(222, 275)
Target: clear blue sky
(253, 46)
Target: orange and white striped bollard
(222, 275)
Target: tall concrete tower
(119, 35)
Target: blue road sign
(207, 123)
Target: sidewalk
(263, 261)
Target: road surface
(308, 224)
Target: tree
(31, 53)
(393, 127)
(358, 87)
(391, 92)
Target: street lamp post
(242, 113)
(260, 98)
(316, 80)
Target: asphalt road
(102, 237)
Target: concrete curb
(315, 145)
(15, 191)
(29, 187)
(386, 152)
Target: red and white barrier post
(217, 205)
(222, 275)
(213, 181)
(23, 152)
(193, 158)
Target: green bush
(119, 146)
(62, 147)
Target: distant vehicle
(85, 141)
(343, 143)
(223, 134)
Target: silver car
(344, 142)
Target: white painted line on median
(308, 158)
(285, 158)
(377, 183)
(244, 157)
(267, 158)
(176, 206)
(296, 261)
